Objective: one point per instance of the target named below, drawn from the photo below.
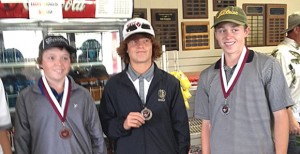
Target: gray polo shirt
(260, 90)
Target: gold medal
(147, 113)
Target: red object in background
(13, 10)
(193, 80)
(79, 9)
(71, 9)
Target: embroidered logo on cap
(227, 11)
(51, 40)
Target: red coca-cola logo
(74, 6)
(79, 9)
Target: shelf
(86, 64)
(64, 25)
(17, 64)
(33, 64)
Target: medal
(225, 109)
(65, 133)
(147, 113)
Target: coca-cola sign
(71, 9)
(79, 9)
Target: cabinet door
(19, 49)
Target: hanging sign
(70, 9)
(45, 10)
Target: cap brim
(289, 29)
(228, 20)
(139, 32)
(70, 49)
(291, 25)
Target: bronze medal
(147, 113)
(65, 133)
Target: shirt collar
(292, 43)
(148, 75)
(250, 58)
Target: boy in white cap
(242, 98)
(142, 109)
(288, 54)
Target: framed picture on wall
(256, 17)
(165, 25)
(275, 23)
(220, 4)
(195, 9)
(195, 35)
(140, 13)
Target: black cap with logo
(51, 41)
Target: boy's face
(56, 64)
(231, 37)
(140, 50)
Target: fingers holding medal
(136, 119)
(133, 120)
(147, 113)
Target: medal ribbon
(62, 110)
(227, 88)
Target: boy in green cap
(242, 98)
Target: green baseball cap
(231, 14)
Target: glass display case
(95, 60)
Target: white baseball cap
(137, 25)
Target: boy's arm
(4, 141)
(281, 131)
(205, 137)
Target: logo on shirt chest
(161, 95)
